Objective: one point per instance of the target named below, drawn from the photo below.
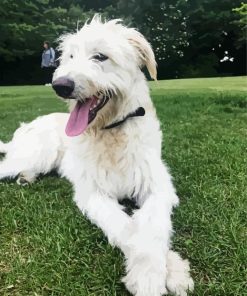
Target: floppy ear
(145, 51)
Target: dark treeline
(191, 38)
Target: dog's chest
(116, 165)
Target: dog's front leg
(106, 213)
(151, 267)
(148, 247)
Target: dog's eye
(99, 57)
(71, 56)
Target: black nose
(63, 86)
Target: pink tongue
(78, 120)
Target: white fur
(3, 147)
(36, 148)
(106, 166)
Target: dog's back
(36, 148)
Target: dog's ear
(145, 51)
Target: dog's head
(98, 67)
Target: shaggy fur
(36, 148)
(106, 166)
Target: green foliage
(182, 32)
(211, 22)
(26, 24)
(164, 23)
(213, 32)
(202, 66)
(187, 36)
(242, 21)
(242, 11)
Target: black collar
(138, 112)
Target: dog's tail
(4, 147)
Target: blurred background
(191, 38)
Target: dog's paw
(26, 178)
(178, 281)
(144, 279)
(22, 181)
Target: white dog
(36, 148)
(113, 151)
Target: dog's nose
(63, 86)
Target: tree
(241, 22)
(213, 32)
(189, 37)
(26, 24)
(164, 23)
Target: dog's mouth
(84, 113)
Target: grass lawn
(48, 248)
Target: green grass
(48, 248)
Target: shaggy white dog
(115, 151)
(36, 148)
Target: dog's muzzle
(63, 87)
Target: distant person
(48, 63)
